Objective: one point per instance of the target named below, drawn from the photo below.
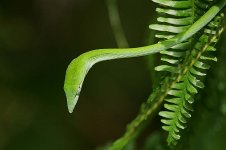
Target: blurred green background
(38, 39)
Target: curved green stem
(80, 66)
(116, 24)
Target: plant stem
(116, 24)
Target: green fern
(179, 63)
(182, 94)
(185, 63)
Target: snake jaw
(72, 98)
(71, 103)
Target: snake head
(74, 78)
(72, 95)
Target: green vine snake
(79, 67)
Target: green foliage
(182, 93)
(185, 63)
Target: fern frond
(187, 62)
(175, 17)
(188, 81)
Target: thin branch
(116, 24)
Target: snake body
(79, 67)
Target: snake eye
(79, 89)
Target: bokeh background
(38, 39)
